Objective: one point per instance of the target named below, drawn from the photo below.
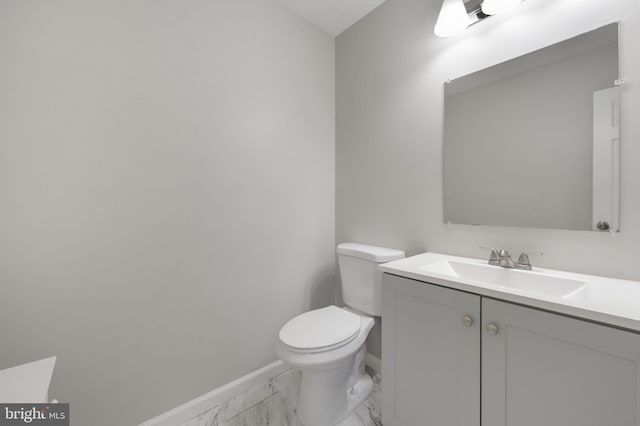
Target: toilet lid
(319, 328)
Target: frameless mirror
(534, 141)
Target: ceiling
(333, 16)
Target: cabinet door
(543, 369)
(430, 357)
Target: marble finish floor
(274, 404)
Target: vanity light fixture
(456, 15)
(453, 19)
(493, 7)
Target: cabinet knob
(492, 329)
(467, 321)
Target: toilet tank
(361, 279)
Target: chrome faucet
(524, 262)
(503, 258)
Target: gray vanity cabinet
(445, 364)
(541, 368)
(430, 355)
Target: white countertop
(606, 300)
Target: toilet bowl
(328, 345)
(331, 358)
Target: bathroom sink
(601, 299)
(527, 281)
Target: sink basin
(527, 281)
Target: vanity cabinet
(430, 355)
(546, 369)
(512, 366)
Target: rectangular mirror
(534, 141)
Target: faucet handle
(494, 258)
(523, 260)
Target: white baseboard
(373, 362)
(217, 396)
(222, 394)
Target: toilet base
(328, 397)
(360, 393)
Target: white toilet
(328, 345)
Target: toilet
(328, 345)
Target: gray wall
(390, 70)
(166, 193)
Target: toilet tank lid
(370, 253)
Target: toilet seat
(320, 330)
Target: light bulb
(493, 7)
(453, 19)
